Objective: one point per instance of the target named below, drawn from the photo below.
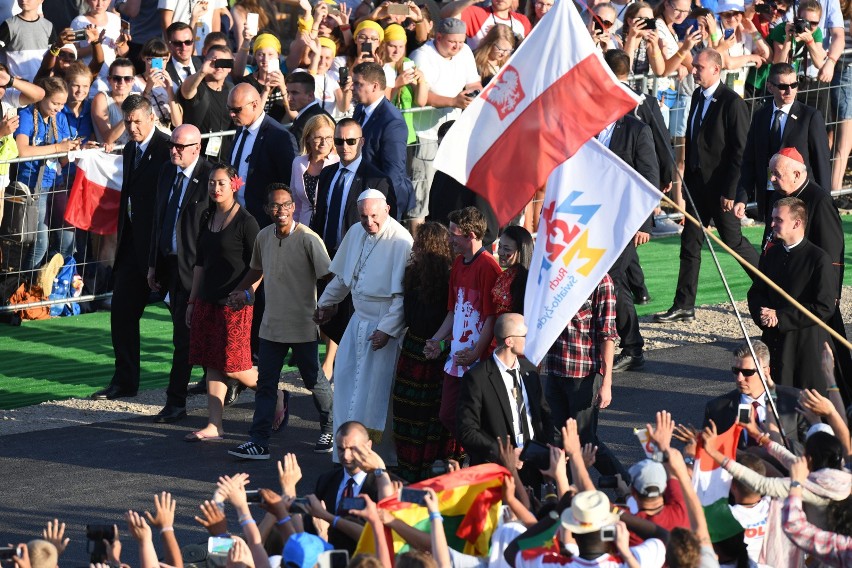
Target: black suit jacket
(804, 130)
(720, 142)
(632, 142)
(722, 411)
(385, 143)
(649, 113)
(271, 160)
(139, 188)
(171, 69)
(193, 205)
(484, 411)
(367, 176)
(326, 491)
(298, 125)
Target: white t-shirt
(753, 519)
(649, 554)
(113, 30)
(183, 13)
(447, 78)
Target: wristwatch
(795, 484)
(378, 472)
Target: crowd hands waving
(654, 518)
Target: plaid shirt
(830, 548)
(576, 354)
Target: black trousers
(636, 277)
(692, 239)
(129, 298)
(181, 369)
(626, 320)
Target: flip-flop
(282, 417)
(200, 437)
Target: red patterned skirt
(220, 338)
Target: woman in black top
(220, 336)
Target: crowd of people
(323, 218)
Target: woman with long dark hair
(515, 254)
(420, 438)
(219, 335)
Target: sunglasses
(185, 43)
(787, 86)
(745, 372)
(606, 24)
(347, 141)
(120, 78)
(239, 109)
(181, 147)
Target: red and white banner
(95, 197)
(713, 482)
(552, 95)
(593, 206)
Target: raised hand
(214, 518)
(164, 506)
(661, 433)
(54, 533)
(571, 439)
(289, 474)
(137, 526)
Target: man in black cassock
(805, 272)
(790, 178)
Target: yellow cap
(395, 32)
(264, 41)
(371, 25)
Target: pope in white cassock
(369, 264)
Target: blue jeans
(575, 398)
(271, 357)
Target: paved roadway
(90, 474)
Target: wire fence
(35, 239)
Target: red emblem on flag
(505, 92)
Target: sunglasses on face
(181, 147)
(347, 141)
(239, 109)
(606, 24)
(185, 43)
(787, 86)
(745, 372)
(120, 78)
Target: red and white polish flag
(552, 95)
(95, 197)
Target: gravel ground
(713, 323)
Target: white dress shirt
(243, 167)
(708, 98)
(359, 477)
(347, 184)
(187, 175)
(368, 110)
(509, 382)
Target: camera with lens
(80, 35)
(765, 8)
(800, 25)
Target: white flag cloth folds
(553, 95)
(593, 206)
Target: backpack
(66, 285)
(20, 214)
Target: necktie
(238, 157)
(775, 133)
(519, 402)
(751, 441)
(332, 220)
(348, 491)
(694, 161)
(170, 220)
(188, 70)
(360, 115)
(137, 157)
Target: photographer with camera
(800, 41)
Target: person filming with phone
(204, 97)
(156, 85)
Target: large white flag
(552, 95)
(593, 206)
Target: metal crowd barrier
(94, 254)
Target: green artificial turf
(72, 357)
(660, 261)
